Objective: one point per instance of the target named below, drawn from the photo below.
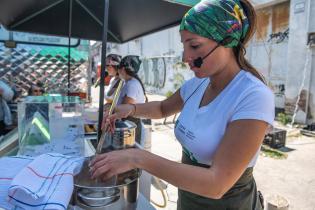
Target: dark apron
(242, 196)
(2, 128)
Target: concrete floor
(294, 177)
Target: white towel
(9, 167)
(44, 183)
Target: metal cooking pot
(121, 189)
(98, 197)
(123, 136)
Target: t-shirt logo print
(189, 134)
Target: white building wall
(268, 50)
(300, 61)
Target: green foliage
(284, 118)
(273, 153)
(180, 66)
(169, 94)
(178, 81)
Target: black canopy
(127, 19)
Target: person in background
(36, 90)
(112, 63)
(6, 95)
(225, 111)
(133, 91)
(98, 76)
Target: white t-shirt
(108, 88)
(133, 89)
(200, 130)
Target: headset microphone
(199, 61)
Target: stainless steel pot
(118, 192)
(98, 197)
(123, 136)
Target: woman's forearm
(159, 109)
(151, 110)
(201, 180)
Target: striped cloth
(9, 167)
(45, 182)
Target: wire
(162, 192)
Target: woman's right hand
(121, 111)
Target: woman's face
(122, 73)
(196, 46)
(36, 91)
(111, 70)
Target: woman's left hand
(106, 165)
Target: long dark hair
(116, 69)
(134, 75)
(39, 85)
(240, 50)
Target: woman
(112, 63)
(133, 91)
(32, 108)
(36, 90)
(225, 112)
(6, 95)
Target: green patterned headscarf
(217, 20)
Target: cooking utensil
(113, 105)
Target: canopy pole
(102, 79)
(69, 44)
